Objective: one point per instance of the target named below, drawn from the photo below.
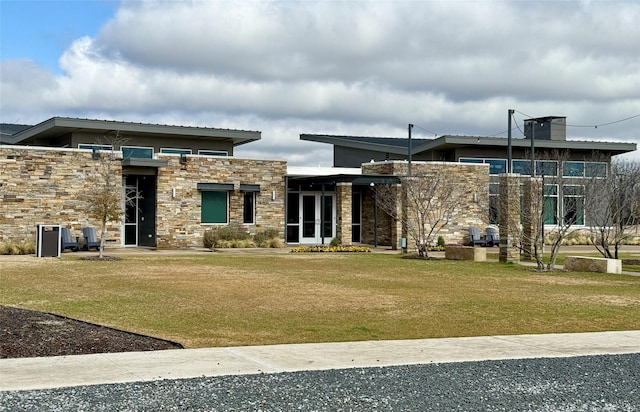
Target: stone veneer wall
(178, 218)
(45, 186)
(471, 211)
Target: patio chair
(475, 237)
(67, 241)
(492, 237)
(90, 238)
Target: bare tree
(551, 199)
(104, 194)
(424, 203)
(613, 205)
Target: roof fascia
(237, 136)
(343, 141)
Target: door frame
(319, 219)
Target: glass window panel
(551, 190)
(95, 146)
(293, 208)
(175, 151)
(595, 169)
(550, 210)
(470, 160)
(249, 207)
(546, 168)
(521, 166)
(213, 153)
(214, 207)
(572, 169)
(497, 166)
(136, 152)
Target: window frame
(249, 196)
(213, 153)
(175, 151)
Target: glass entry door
(317, 218)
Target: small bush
(24, 247)
(334, 242)
(267, 238)
(440, 241)
(226, 236)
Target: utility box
(48, 241)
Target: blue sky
(364, 68)
(41, 30)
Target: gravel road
(587, 383)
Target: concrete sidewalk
(63, 371)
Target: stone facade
(47, 186)
(343, 212)
(509, 217)
(179, 201)
(471, 209)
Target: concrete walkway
(63, 371)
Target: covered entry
(139, 182)
(321, 208)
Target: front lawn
(213, 299)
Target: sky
(362, 68)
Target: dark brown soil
(27, 333)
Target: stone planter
(592, 264)
(476, 254)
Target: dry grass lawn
(213, 299)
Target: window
(550, 211)
(137, 152)
(213, 152)
(573, 169)
(249, 207)
(168, 150)
(214, 206)
(546, 168)
(522, 167)
(494, 203)
(95, 146)
(573, 205)
(496, 166)
(595, 169)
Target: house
(563, 163)
(186, 180)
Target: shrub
(268, 238)
(24, 247)
(334, 242)
(226, 236)
(440, 241)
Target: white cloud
(366, 67)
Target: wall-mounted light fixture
(173, 193)
(273, 195)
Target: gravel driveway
(587, 383)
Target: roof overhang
(60, 126)
(448, 142)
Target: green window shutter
(214, 207)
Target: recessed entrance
(140, 210)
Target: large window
(543, 167)
(215, 207)
(584, 169)
(95, 146)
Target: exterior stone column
(509, 216)
(397, 229)
(344, 199)
(532, 217)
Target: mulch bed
(26, 333)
